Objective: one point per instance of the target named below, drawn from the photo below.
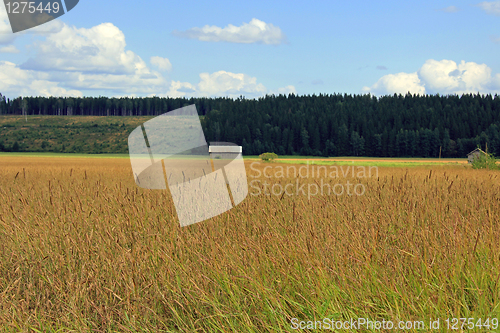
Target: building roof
(225, 149)
(477, 150)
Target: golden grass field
(83, 249)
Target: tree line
(320, 125)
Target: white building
(225, 152)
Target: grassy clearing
(396, 162)
(399, 162)
(364, 158)
(82, 248)
(312, 160)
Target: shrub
(485, 162)
(268, 156)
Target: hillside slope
(69, 134)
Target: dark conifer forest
(317, 125)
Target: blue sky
(228, 48)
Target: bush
(268, 156)
(485, 162)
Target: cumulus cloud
(490, 7)
(450, 9)
(162, 63)
(256, 31)
(224, 83)
(180, 89)
(92, 59)
(447, 77)
(399, 83)
(100, 49)
(6, 35)
(284, 91)
(122, 84)
(70, 61)
(9, 49)
(15, 81)
(444, 77)
(229, 83)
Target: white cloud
(220, 83)
(444, 77)
(224, 84)
(437, 74)
(11, 75)
(6, 38)
(490, 7)
(93, 59)
(70, 61)
(450, 9)
(284, 91)
(179, 89)
(100, 49)
(15, 81)
(256, 31)
(6, 35)
(117, 84)
(9, 49)
(162, 63)
(400, 83)
(47, 88)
